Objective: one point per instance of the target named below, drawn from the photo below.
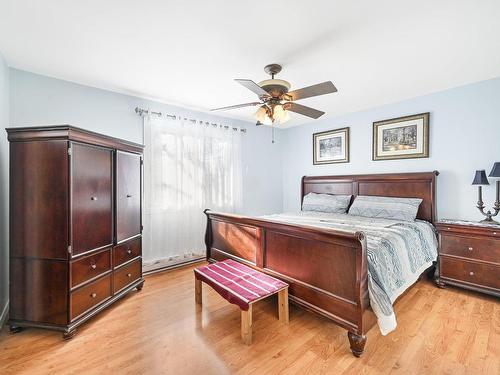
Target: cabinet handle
(129, 195)
(129, 251)
(471, 273)
(93, 266)
(93, 198)
(93, 295)
(471, 248)
(129, 275)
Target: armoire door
(128, 195)
(91, 197)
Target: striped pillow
(326, 203)
(386, 207)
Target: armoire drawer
(89, 267)
(479, 274)
(126, 275)
(471, 247)
(90, 296)
(126, 251)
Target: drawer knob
(471, 248)
(129, 275)
(129, 251)
(471, 273)
(129, 195)
(93, 198)
(93, 266)
(93, 295)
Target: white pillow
(385, 207)
(326, 203)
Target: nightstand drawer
(471, 247)
(479, 274)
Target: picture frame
(401, 138)
(330, 147)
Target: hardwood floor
(160, 330)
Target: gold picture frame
(330, 147)
(401, 138)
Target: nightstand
(469, 255)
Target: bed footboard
(326, 269)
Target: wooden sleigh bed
(326, 269)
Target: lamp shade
(495, 171)
(480, 178)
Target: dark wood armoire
(75, 225)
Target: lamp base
(489, 221)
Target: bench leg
(197, 290)
(246, 325)
(283, 306)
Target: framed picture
(331, 146)
(401, 138)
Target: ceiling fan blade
(236, 106)
(314, 90)
(252, 86)
(303, 110)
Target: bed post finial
(360, 236)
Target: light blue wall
(4, 192)
(33, 99)
(40, 100)
(464, 136)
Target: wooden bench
(242, 286)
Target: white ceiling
(188, 52)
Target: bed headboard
(406, 185)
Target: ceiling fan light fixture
(285, 117)
(267, 121)
(276, 101)
(262, 116)
(280, 114)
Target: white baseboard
(3, 316)
(164, 263)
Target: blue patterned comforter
(398, 252)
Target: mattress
(397, 251)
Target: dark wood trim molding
(70, 133)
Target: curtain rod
(142, 112)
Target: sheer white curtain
(187, 167)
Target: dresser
(75, 225)
(469, 256)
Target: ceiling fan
(276, 100)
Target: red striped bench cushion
(237, 283)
